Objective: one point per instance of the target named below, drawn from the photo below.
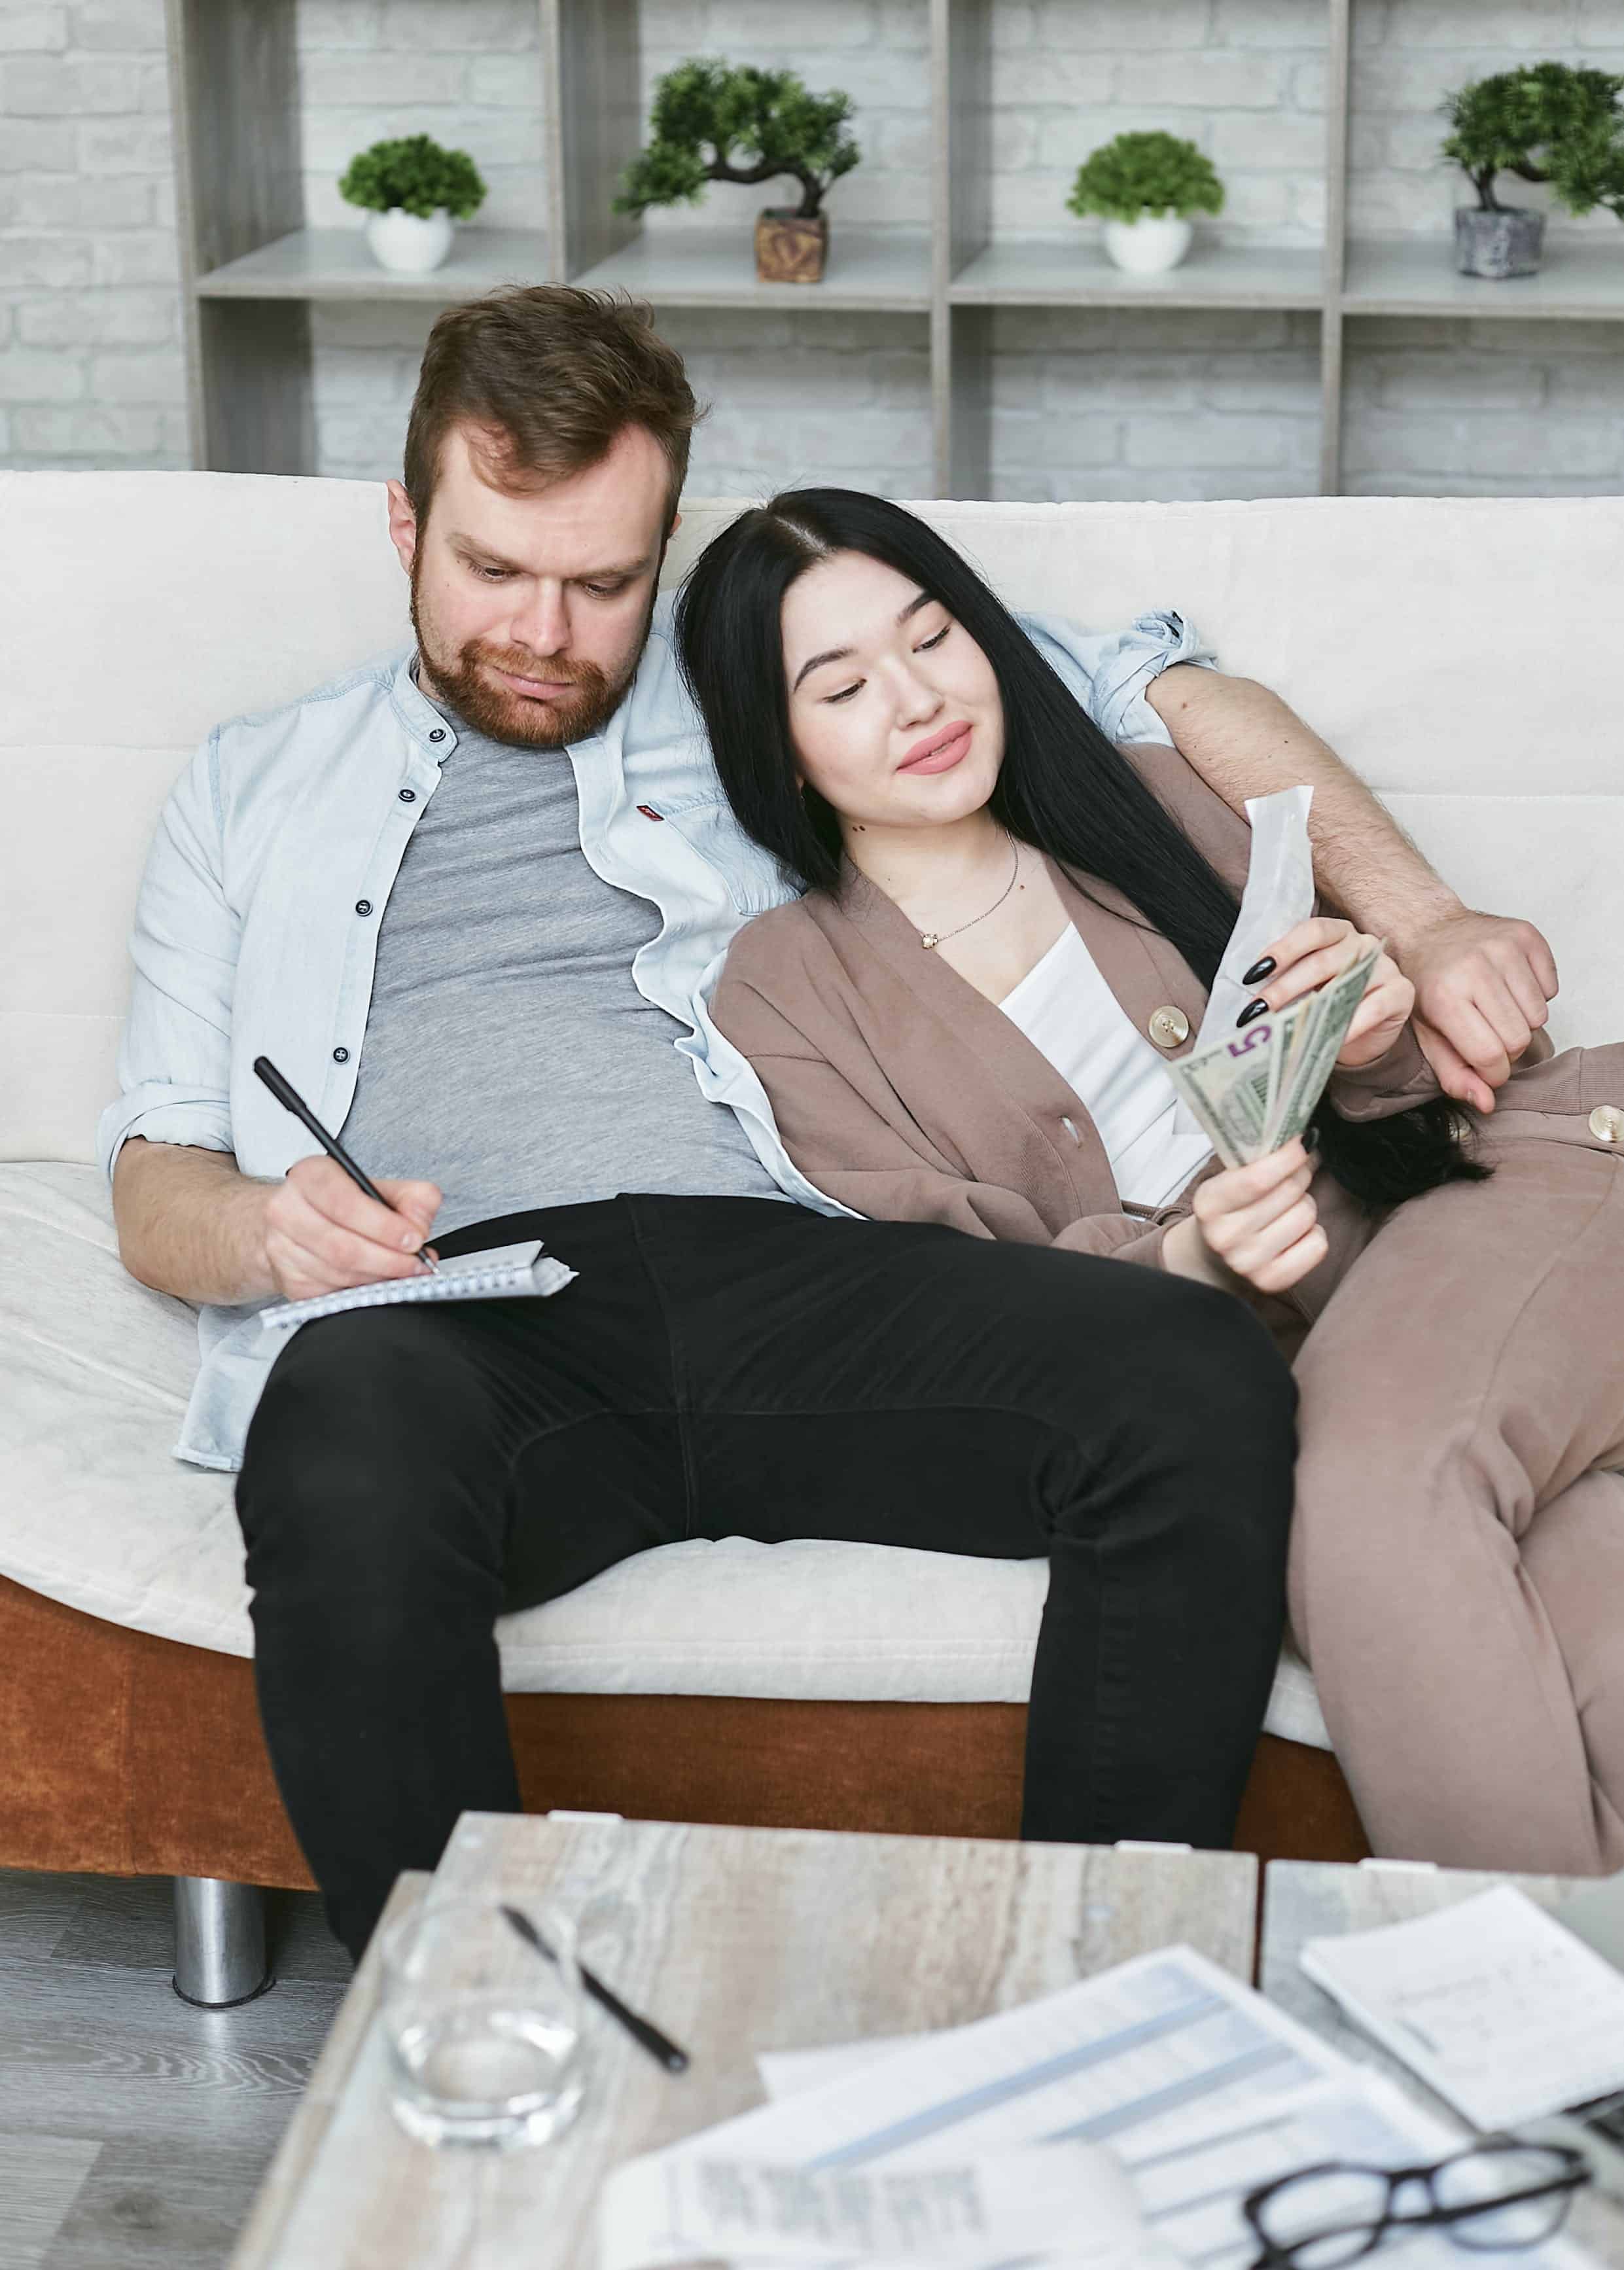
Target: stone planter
(1148, 245)
(790, 249)
(1498, 244)
(410, 246)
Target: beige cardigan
(903, 1092)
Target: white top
(1068, 1012)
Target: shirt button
(1170, 1027)
(1607, 1123)
(437, 734)
(363, 906)
(407, 795)
(341, 1055)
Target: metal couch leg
(219, 1942)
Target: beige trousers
(1457, 1561)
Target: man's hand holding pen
(322, 1233)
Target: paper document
(1278, 895)
(786, 2073)
(1190, 2185)
(1136, 2058)
(1192, 2195)
(504, 1273)
(952, 2217)
(1492, 2003)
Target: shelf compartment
(867, 268)
(334, 264)
(1043, 272)
(1416, 275)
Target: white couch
(1464, 655)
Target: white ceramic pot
(1147, 245)
(409, 245)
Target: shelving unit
(251, 271)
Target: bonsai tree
(1545, 123)
(418, 176)
(712, 122)
(1140, 173)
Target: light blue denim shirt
(250, 939)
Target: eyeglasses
(1498, 2193)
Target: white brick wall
(1123, 405)
(1484, 409)
(861, 382)
(1244, 79)
(467, 72)
(91, 368)
(1173, 406)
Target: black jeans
(729, 1367)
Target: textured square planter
(789, 249)
(1498, 244)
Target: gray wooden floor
(134, 2131)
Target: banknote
(1257, 1088)
(1335, 1006)
(1227, 1088)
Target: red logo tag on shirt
(649, 812)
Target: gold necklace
(931, 939)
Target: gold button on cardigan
(1170, 1027)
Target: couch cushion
(99, 1514)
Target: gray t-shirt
(510, 1055)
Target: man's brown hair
(546, 376)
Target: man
(468, 901)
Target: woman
(1009, 927)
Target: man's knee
(369, 1453)
(1192, 1365)
(1222, 1369)
(1207, 1412)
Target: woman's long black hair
(1063, 787)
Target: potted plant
(1145, 187)
(413, 191)
(1545, 122)
(714, 121)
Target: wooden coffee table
(1311, 1899)
(735, 1940)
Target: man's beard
(462, 680)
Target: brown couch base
(128, 1755)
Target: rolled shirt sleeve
(174, 1060)
(1108, 670)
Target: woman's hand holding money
(1314, 953)
(1256, 1222)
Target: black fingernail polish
(1259, 970)
(1252, 1009)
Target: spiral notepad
(504, 1273)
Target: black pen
(288, 1096)
(660, 2047)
